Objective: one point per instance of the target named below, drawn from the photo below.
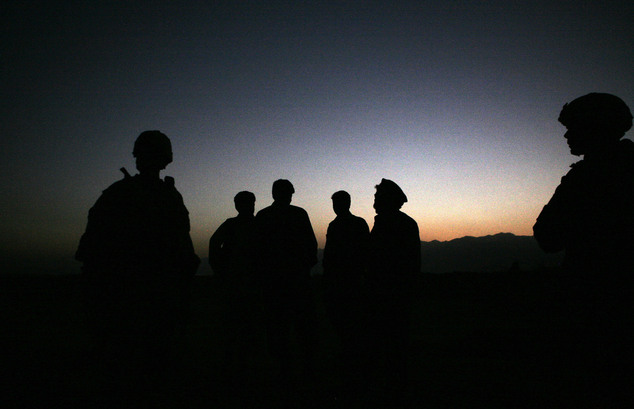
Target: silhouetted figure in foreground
(232, 256)
(344, 262)
(288, 250)
(393, 264)
(591, 218)
(138, 261)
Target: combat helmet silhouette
(155, 144)
(605, 114)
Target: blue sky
(457, 102)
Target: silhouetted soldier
(232, 256)
(591, 218)
(288, 250)
(393, 264)
(138, 261)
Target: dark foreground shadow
(478, 340)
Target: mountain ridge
(492, 253)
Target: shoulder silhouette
(347, 239)
(232, 248)
(140, 223)
(286, 234)
(591, 214)
(394, 240)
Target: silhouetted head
(388, 197)
(152, 150)
(283, 191)
(245, 203)
(341, 202)
(594, 121)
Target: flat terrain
(478, 340)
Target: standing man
(232, 256)
(394, 264)
(591, 218)
(345, 260)
(138, 262)
(288, 250)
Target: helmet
(604, 113)
(153, 143)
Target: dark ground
(478, 340)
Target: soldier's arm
(98, 235)
(324, 260)
(362, 248)
(217, 240)
(190, 261)
(415, 248)
(548, 230)
(552, 224)
(311, 242)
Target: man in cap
(138, 261)
(394, 264)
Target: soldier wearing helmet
(140, 224)
(155, 146)
(591, 218)
(591, 214)
(138, 260)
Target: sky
(455, 101)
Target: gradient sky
(455, 101)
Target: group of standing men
(367, 278)
(138, 258)
(138, 261)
